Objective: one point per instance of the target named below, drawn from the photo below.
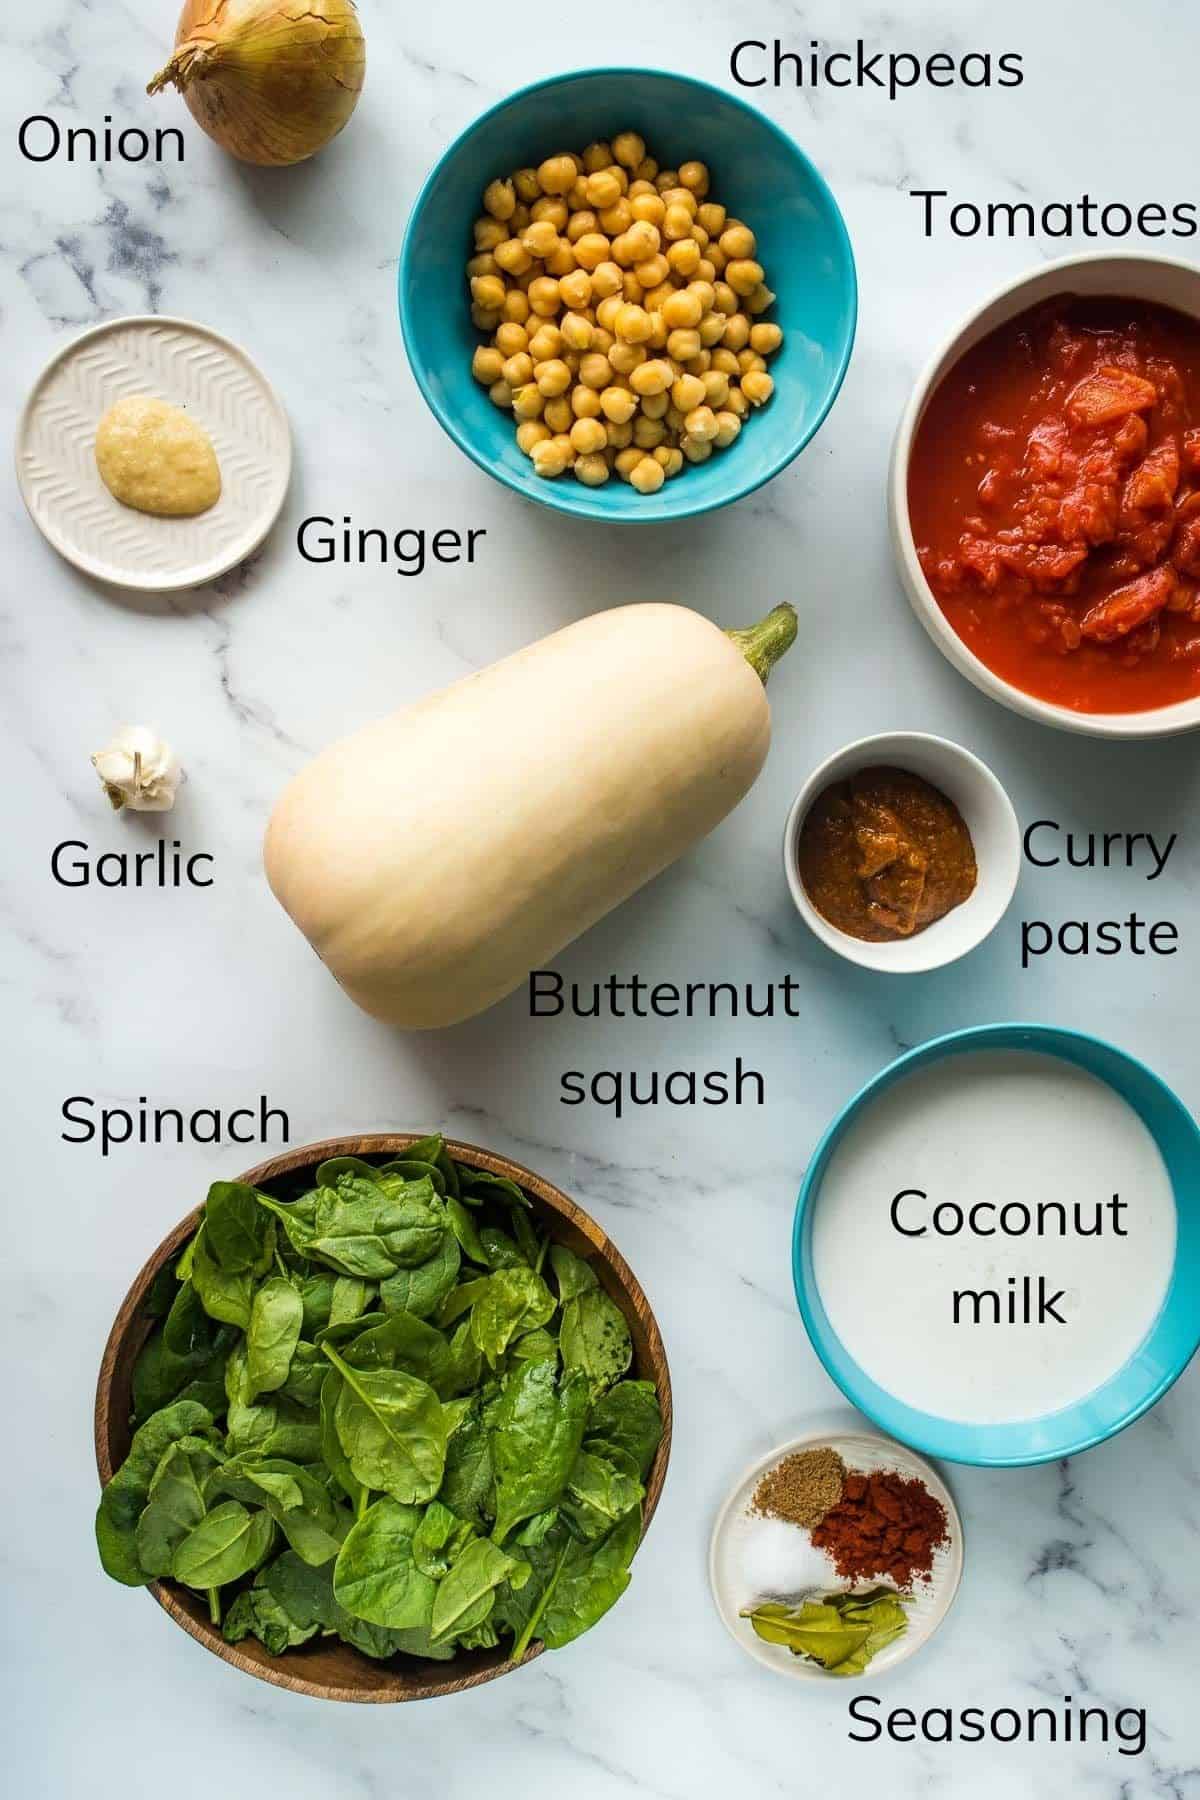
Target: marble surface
(1081, 1578)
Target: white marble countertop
(1082, 1579)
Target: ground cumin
(884, 1524)
(802, 1488)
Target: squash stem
(763, 644)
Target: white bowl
(1150, 278)
(989, 817)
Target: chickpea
(765, 338)
(711, 216)
(680, 196)
(699, 364)
(654, 406)
(743, 275)
(716, 389)
(527, 402)
(697, 450)
(616, 219)
(546, 342)
(706, 270)
(648, 208)
(750, 362)
(501, 395)
(588, 436)
(486, 365)
(557, 174)
(486, 318)
(633, 323)
(577, 332)
(591, 250)
(737, 332)
(553, 378)
(687, 392)
(543, 296)
(666, 179)
(655, 298)
(513, 257)
(576, 196)
(648, 432)
(628, 149)
(737, 240)
(595, 371)
(572, 359)
(737, 403)
(659, 332)
(522, 217)
(592, 470)
(482, 265)
(701, 424)
(575, 290)
(760, 299)
(652, 273)
(603, 189)
(547, 211)
(527, 185)
(531, 432)
(516, 306)
(585, 401)
(647, 476)
(540, 238)
(618, 404)
(602, 341)
(561, 260)
(558, 416)
(609, 307)
(606, 279)
(684, 257)
(488, 291)
(500, 199)
(712, 330)
(647, 169)
(677, 223)
(518, 369)
(511, 338)
(626, 357)
(631, 288)
(683, 310)
(549, 458)
(757, 387)
(669, 460)
(715, 259)
(488, 232)
(694, 175)
(627, 461)
(597, 156)
(728, 426)
(653, 377)
(683, 345)
(724, 298)
(581, 224)
(643, 240)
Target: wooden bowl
(325, 1667)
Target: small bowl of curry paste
(902, 852)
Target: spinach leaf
(402, 1342)
(515, 1301)
(330, 1172)
(306, 1597)
(421, 1290)
(466, 1231)
(599, 1493)
(237, 1234)
(467, 1483)
(124, 1498)
(316, 1294)
(591, 1579)
(571, 1272)
(392, 1429)
(467, 1594)
(439, 1538)
(257, 1613)
(629, 1417)
(499, 1250)
(336, 1460)
(224, 1295)
(226, 1544)
(461, 1299)
(376, 1577)
(595, 1338)
(276, 1317)
(535, 1346)
(536, 1438)
(176, 1503)
(301, 1505)
(409, 1169)
(349, 1299)
(306, 1377)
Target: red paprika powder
(884, 1524)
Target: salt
(780, 1561)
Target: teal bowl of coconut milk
(996, 1249)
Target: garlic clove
(139, 770)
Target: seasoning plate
(188, 366)
(862, 1452)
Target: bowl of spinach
(382, 1420)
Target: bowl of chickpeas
(628, 295)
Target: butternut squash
(437, 856)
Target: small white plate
(862, 1452)
(188, 366)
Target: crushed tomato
(1054, 495)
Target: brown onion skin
(290, 110)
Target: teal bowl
(758, 174)
(1164, 1352)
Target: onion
(271, 81)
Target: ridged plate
(862, 1452)
(188, 366)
